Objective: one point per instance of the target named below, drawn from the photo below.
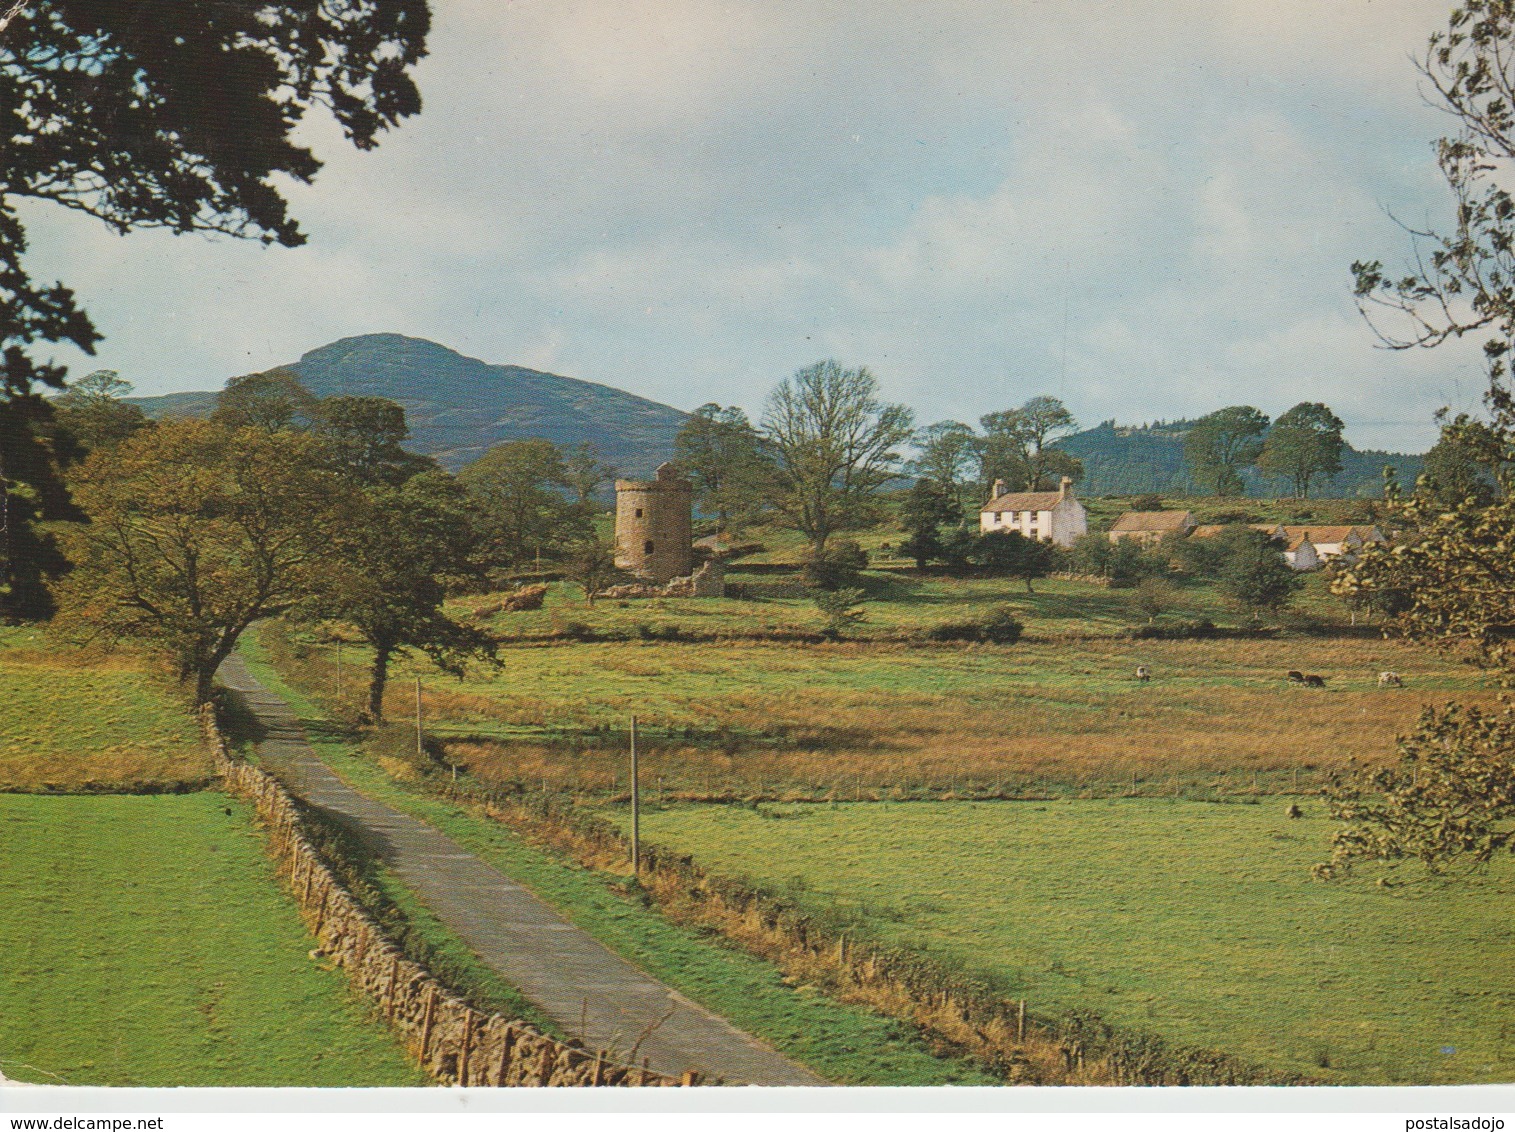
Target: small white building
(1300, 553)
(1333, 542)
(1049, 516)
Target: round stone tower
(654, 526)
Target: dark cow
(1296, 677)
(1314, 681)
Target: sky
(1147, 209)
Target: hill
(458, 407)
(1130, 460)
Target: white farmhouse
(1050, 516)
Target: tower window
(639, 512)
(647, 547)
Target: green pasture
(145, 941)
(845, 1044)
(72, 723)
(744, 716)
(1196, 922)
(898, 604)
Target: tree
(1220, 445)
(1012, 553)
(591, 563)
(162, 114)
(925, 510)
(949, 457)
(1303, 443)
(362, 437)
(725, 459)
(395, 548)
(273, 401)
(30, 492)
(1015, 445)
(834, 443)
(583, 474)
(194, 532)
(1464, 464)
(1254, 573)
(517, 486)
(1153, 597)
(92, 414)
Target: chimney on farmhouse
(997, 490)
(1065, 488)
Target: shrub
(840, 608)
(998, 626)
(836, 566)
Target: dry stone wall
(454, 1043)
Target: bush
(999, 626)
(838, 565)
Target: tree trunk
(378, 676)
(205, 682)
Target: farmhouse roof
(1140, 521)
(1023, 501)
(1319, 535)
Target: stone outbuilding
(1049, 516)
(654, 526)
(1148, 527)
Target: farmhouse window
(647, 547)
(999, 517)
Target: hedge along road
(588, 990)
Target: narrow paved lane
(588, 990)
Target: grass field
(845, 1044)
(755, 717)
(145, 941)
(75, 723)
(1197, 922)
(898, 605)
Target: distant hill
(458, 407)
(1132, 460)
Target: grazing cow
(1314, 681)
(1296, 677)
(1390, 680)
(1293, 811)
(1143, 673)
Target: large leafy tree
(194, 532)
(1017, 447)
(162, 114)
(726, 462)
(948, 455)
(1252, 571)
(834, 444)
(924, 510)
(1303, 443)
(518, 488)
(1220, 445)
(1452, 794)
(394, 553)
(92, 413)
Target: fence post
(636, 806)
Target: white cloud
(1147, 209)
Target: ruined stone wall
(454, 1043)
